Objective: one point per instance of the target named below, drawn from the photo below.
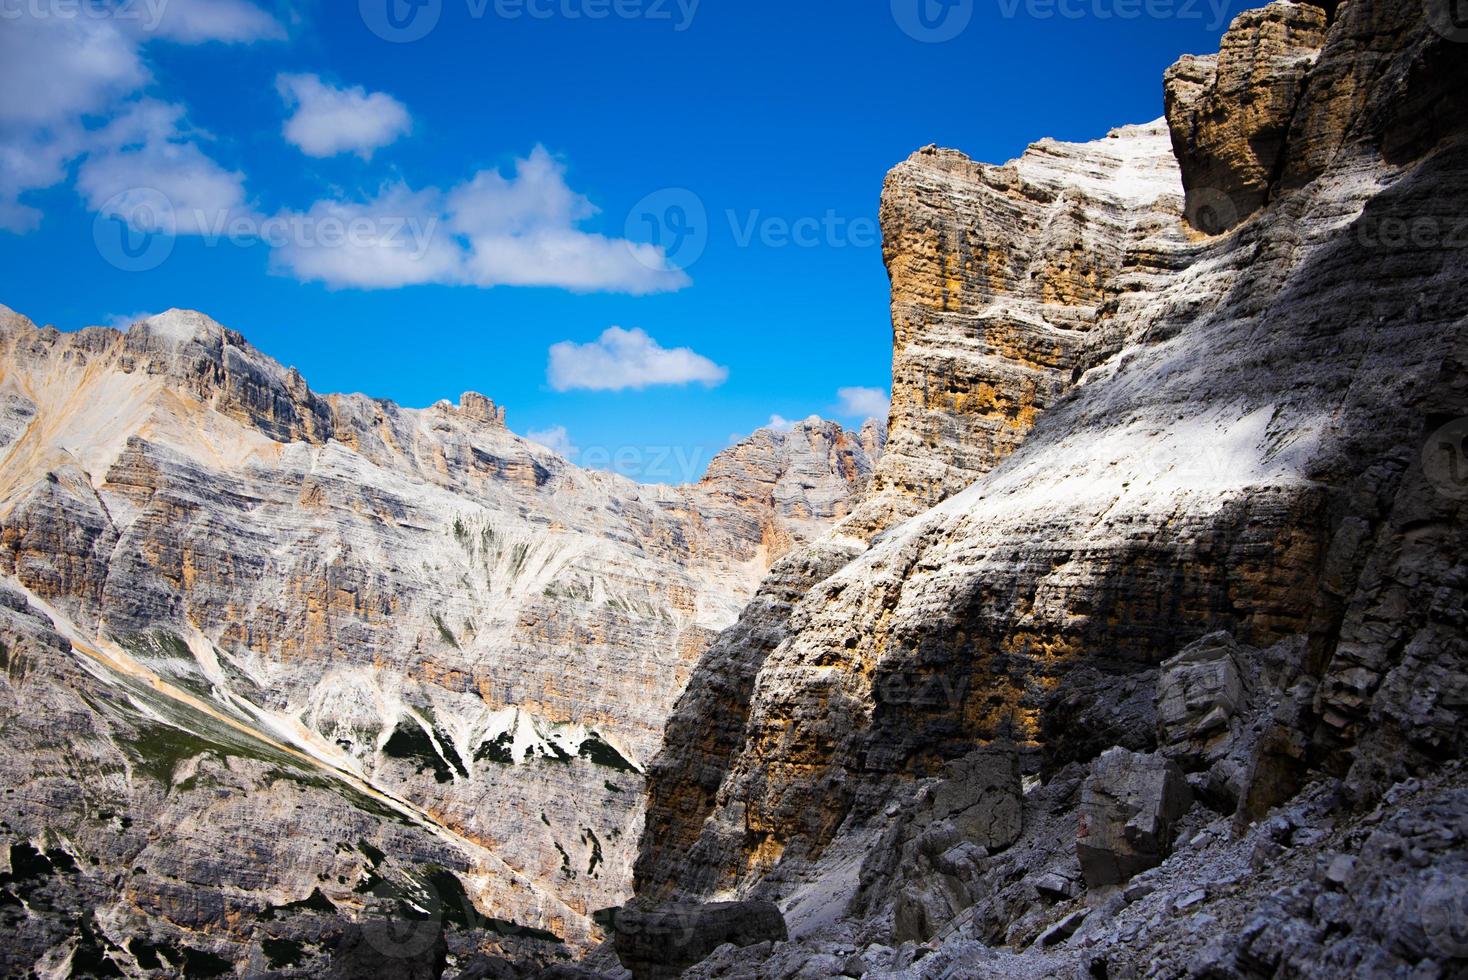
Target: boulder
(660, 942)
(1198, 692)
(981, 796)
(1130, 807)
(926, 864)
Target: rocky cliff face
(266, 612)
(1160, 427)
(999, 277)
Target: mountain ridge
(413, 603)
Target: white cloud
(556, 439)
(396, 239)
(780, 423)
(200, 21)
(59, 70)
(864, 402)
(75, 98)
(489, 231)
(523, 231)
(622, 359)
(53, 69)
(329, 120)
(147, 152)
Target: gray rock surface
(925, 866)
(660, 942)
(418, 607)
(1230, 113)
(1199, 692)
(1179, 513)
(1252, 434)
(1131, 805)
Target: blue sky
(527, 176)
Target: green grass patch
(446, 634)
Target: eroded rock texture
(999, 274)
(415, 608)
(1230, 113)
(1130, 808)
(660, 943)
(1256, 432)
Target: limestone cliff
(999, 276)
(268, 609)
(1144, 429)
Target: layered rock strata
(1260, 439)
(412, 604)
(1230, 113)
(999, 275)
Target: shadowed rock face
(1130, 809)
(412, 603)
(1231, 438)
(1230, 113)
(659, 943)
(279, 669)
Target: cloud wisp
(79, 101)
(327, 120)
(871, 403)
(149, 152)
(556, 439)
(620, 360)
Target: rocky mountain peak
(175, 328)
(1139, 648)
(459, 646)
(1230, 113)
(478, 407)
